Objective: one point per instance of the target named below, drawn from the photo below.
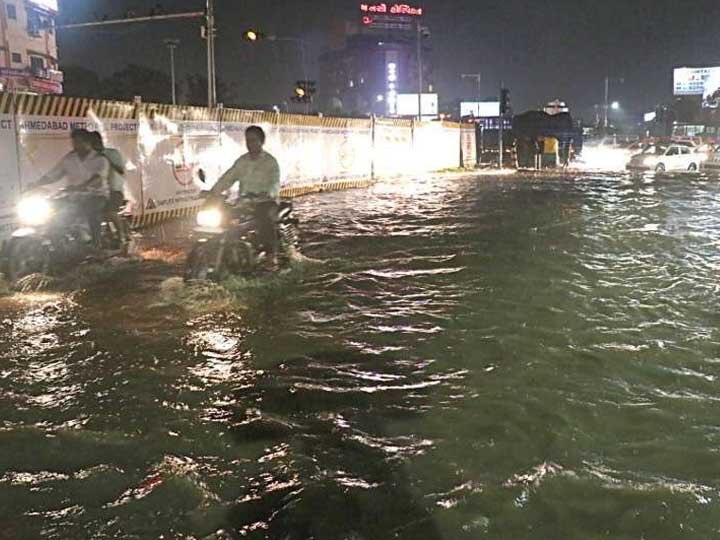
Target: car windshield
(654, 149)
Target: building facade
(378, 61)
(28, 47)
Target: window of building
(17, 58)
(12, 12)
(38, 23)
(37, 63)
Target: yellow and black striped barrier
(153, 218)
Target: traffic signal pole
(191, 15)
(210, 36)
(209, 16)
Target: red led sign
(392, 9)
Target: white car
(662, 158)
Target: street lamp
(615, 106)
(607, 99)
(172, 45)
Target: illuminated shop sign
(392, 94)
(403, 10)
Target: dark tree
(150, 84)
(195, 90)
(81, 82)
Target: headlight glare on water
(211, 218)
(34, 211)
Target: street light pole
(172, 45)
(607, 101)
(478, 78)
(420, 69)
(500, 128)
(210, 36)
(303, 57)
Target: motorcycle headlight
(34, 211)
(212, 218)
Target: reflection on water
(495, 357)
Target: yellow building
(28, 47)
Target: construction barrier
(165, 146)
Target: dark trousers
(93, 206)
(265, 215)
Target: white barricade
(165, 147)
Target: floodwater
(497, 358)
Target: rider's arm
(275, 178)
(227, 180)
(53, 175)
(116, 160)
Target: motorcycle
(54, 235)
(226, 241)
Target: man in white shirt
(86, 172)
(258, 176)
(116, 184)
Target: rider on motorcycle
(116, 184)
(86, 172)
(258, 176)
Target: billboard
(49, 5)
(480, 109)
(703, 82)
(407, 105)
(390, 16)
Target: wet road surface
(478, 358)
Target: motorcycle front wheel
(25, 257)
(202, 263)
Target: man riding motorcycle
(86, 172)
(258, 174)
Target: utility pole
(210, 36)
(478, 126)
(478, 78)
(420, 69)
(172, 45)
(607, 102)
(500, 129)
(303, 57)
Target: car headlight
(211, 218)
(34, 211)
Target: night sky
(541, 50)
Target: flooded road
(479, 358)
